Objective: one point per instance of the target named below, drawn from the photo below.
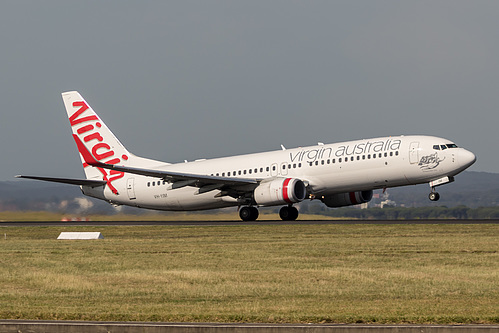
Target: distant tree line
(403, 213)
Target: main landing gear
(250, 213)
(433, 196)
(288, 213)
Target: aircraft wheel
(288, 213)
(248, 213)
(434, 196)
(254, 213)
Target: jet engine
(280, 191)
(347, 199)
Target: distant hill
(37, 195)
(472, 189)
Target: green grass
(320, 273)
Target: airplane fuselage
(351, 166)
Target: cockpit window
(444, 147)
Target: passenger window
(351, 158)
(268, 169)
(396, 153)
(244, 172)
(148, 184)
(386, 154)
(339, 160)
(239, 172)
(299, 165)
(256, 170)
(322, 162)
(374, 155)
(358, 158)
(391, 153)
(316, 162)
(273, 168)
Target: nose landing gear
(433, 196)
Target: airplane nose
(466, 158)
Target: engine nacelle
(347, 199)
(280, 191)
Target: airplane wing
(72, 181)
(180, 178)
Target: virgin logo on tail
(88, 128)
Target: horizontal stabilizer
(71, 181)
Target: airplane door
(414, 152)
(130, 188)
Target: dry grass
(326, 273)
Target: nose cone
(466, 158)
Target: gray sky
(179, 80)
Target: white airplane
(338, 174)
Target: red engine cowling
(280, 191)
(347, 199)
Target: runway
(235, 223)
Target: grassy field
(310, 274)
